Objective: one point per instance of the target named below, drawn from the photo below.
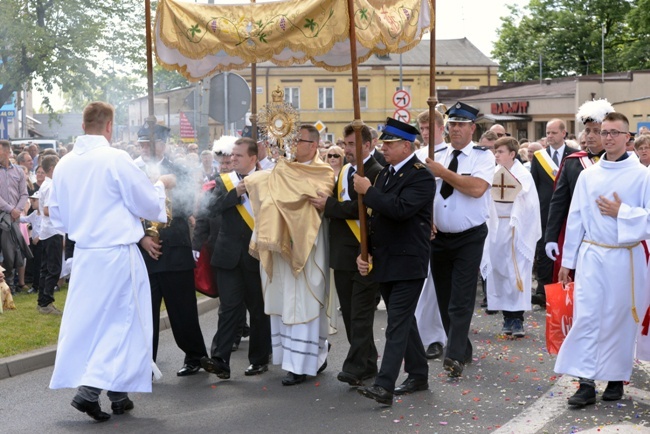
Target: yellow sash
(343, 190)
(245, 214)
(548, 165)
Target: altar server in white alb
(513, 230)
(608, 217)
(98, 198)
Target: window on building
(325, 97)
(292, 96)
(363, 97)
(330, 137)
(540, 130)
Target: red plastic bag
(203, 277)
(559, 314)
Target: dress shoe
(491, 312)
(614, 391)
(411, 385)
(292, 379)
(119, 407)
(377, 393)
(92, 409)
(351, 379)
(235, 347)
(539, 299)
(216, 366)
(586, 395)
(188, 369)
(434, 351)
(256, 370)
(454, 367)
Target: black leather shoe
(92, 409)
(235, 347)
(292, 379)
(216, 366)
(539, 299)
(351, 379)
(377, 393)
(256, 370)
(614, 391)
(188, 369)
(120, 407)
(586, 395)
(411, 385)
(453, 367)
(434, 351)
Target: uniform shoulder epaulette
(480, 148)
(419, 166)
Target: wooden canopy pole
(254, 97)
(151, 119)
(432, 100)
(357, 124)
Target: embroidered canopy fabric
(199, 40)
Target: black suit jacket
(545, 184)
(344, 247)
(176, 239)
(400, 222)
(231, 245)
(379, 157)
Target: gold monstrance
(279, 122)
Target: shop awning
(493, 119)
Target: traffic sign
(402, 115)
(402, 99)
(4, 128)
(239, 97)
(320, 126)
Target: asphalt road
(509, 388)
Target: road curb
(44, 357)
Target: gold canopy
(199, 40)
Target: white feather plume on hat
(224, 145)
(594, 111)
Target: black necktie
(446, 189)
(240, 176)
(391, 173)
(555, 158)
(351, 173)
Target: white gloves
(552, 250)
(196, 255)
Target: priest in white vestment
(514, 228)
(291, 244)
(609, 216)
(98, 198)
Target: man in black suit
(168, 257)
(357, 293)
(236, 272)
(373, 148)
(400, 226)
(544, 168)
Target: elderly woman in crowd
(642, 148)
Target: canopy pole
(253, 117)
(151, 119)
(357, 124)
(432, 100)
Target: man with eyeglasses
(606, 223)
(591, 115)
(499, 130)
(289, 240)
(544, 169)
(357, 293)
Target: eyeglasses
(304, 140)
(333, 156)
(500, 134)
(643, 148)
(613, 133)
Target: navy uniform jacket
(176, 239)
(400, 222)
(344, 247)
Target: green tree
(567, 34)
(74, 44)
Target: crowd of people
(517, 215)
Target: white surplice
(105, 338)
(600, 344)
(503, 265)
